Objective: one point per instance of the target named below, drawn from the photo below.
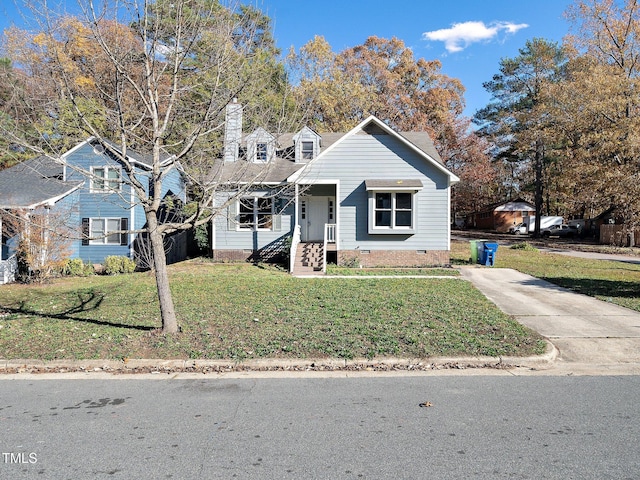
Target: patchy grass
(244, 311)
(611, 281)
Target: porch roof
(393, 184)
(275, 171)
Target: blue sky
(493, 29)
(469, 37)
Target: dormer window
(261, 152)
(307, 144)
(261, 146)
(307, 150)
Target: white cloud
(461, 35)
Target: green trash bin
(477, 249)
(474, 252)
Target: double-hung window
(393, 210)
(307, 150)
(255, 213)
(104, 231)
(105, 179)
(101, 231)
(392, 206)
(261, 152)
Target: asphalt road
(477, 427)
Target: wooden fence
(618, 235)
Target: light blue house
(369, 197)
(84, 196)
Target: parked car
(519, 229)
(562, 231)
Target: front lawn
(243, 311)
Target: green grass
(365, 272)
(243, 311)
(611, 281)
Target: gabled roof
(283, 169)
(143, 160)
(419, 142)
(260, 134)
(515, 205)
(508, 206)
(304, 130)
(32, 183)
(423, 141)
(286, 140)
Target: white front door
(315, 212)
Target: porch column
(44, 254)
(296, 195)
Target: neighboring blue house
(370, 196)
(34, 188)
(90, 191)
(107, 203)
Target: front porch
(315, 234)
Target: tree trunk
(539, 164)
(167, 310)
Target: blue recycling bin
(489, 254)
(481, 251)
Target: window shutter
(124, 226)
(85, 231)
(232, 213)
(277, 223)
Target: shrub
(114, 265)
(201, 238)
(524, 246)
(75, 267)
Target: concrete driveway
(592, 336)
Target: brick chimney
(232, 131)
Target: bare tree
(44, 240)
(153, 77)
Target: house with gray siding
(84, 195)
(371, 197)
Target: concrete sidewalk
(591, 335)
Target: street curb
(383, 364)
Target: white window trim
(255, 226)
(259, 151)
(393, 229)
(105, 180)
(303, 151)
(260, 135)
(103, 240)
